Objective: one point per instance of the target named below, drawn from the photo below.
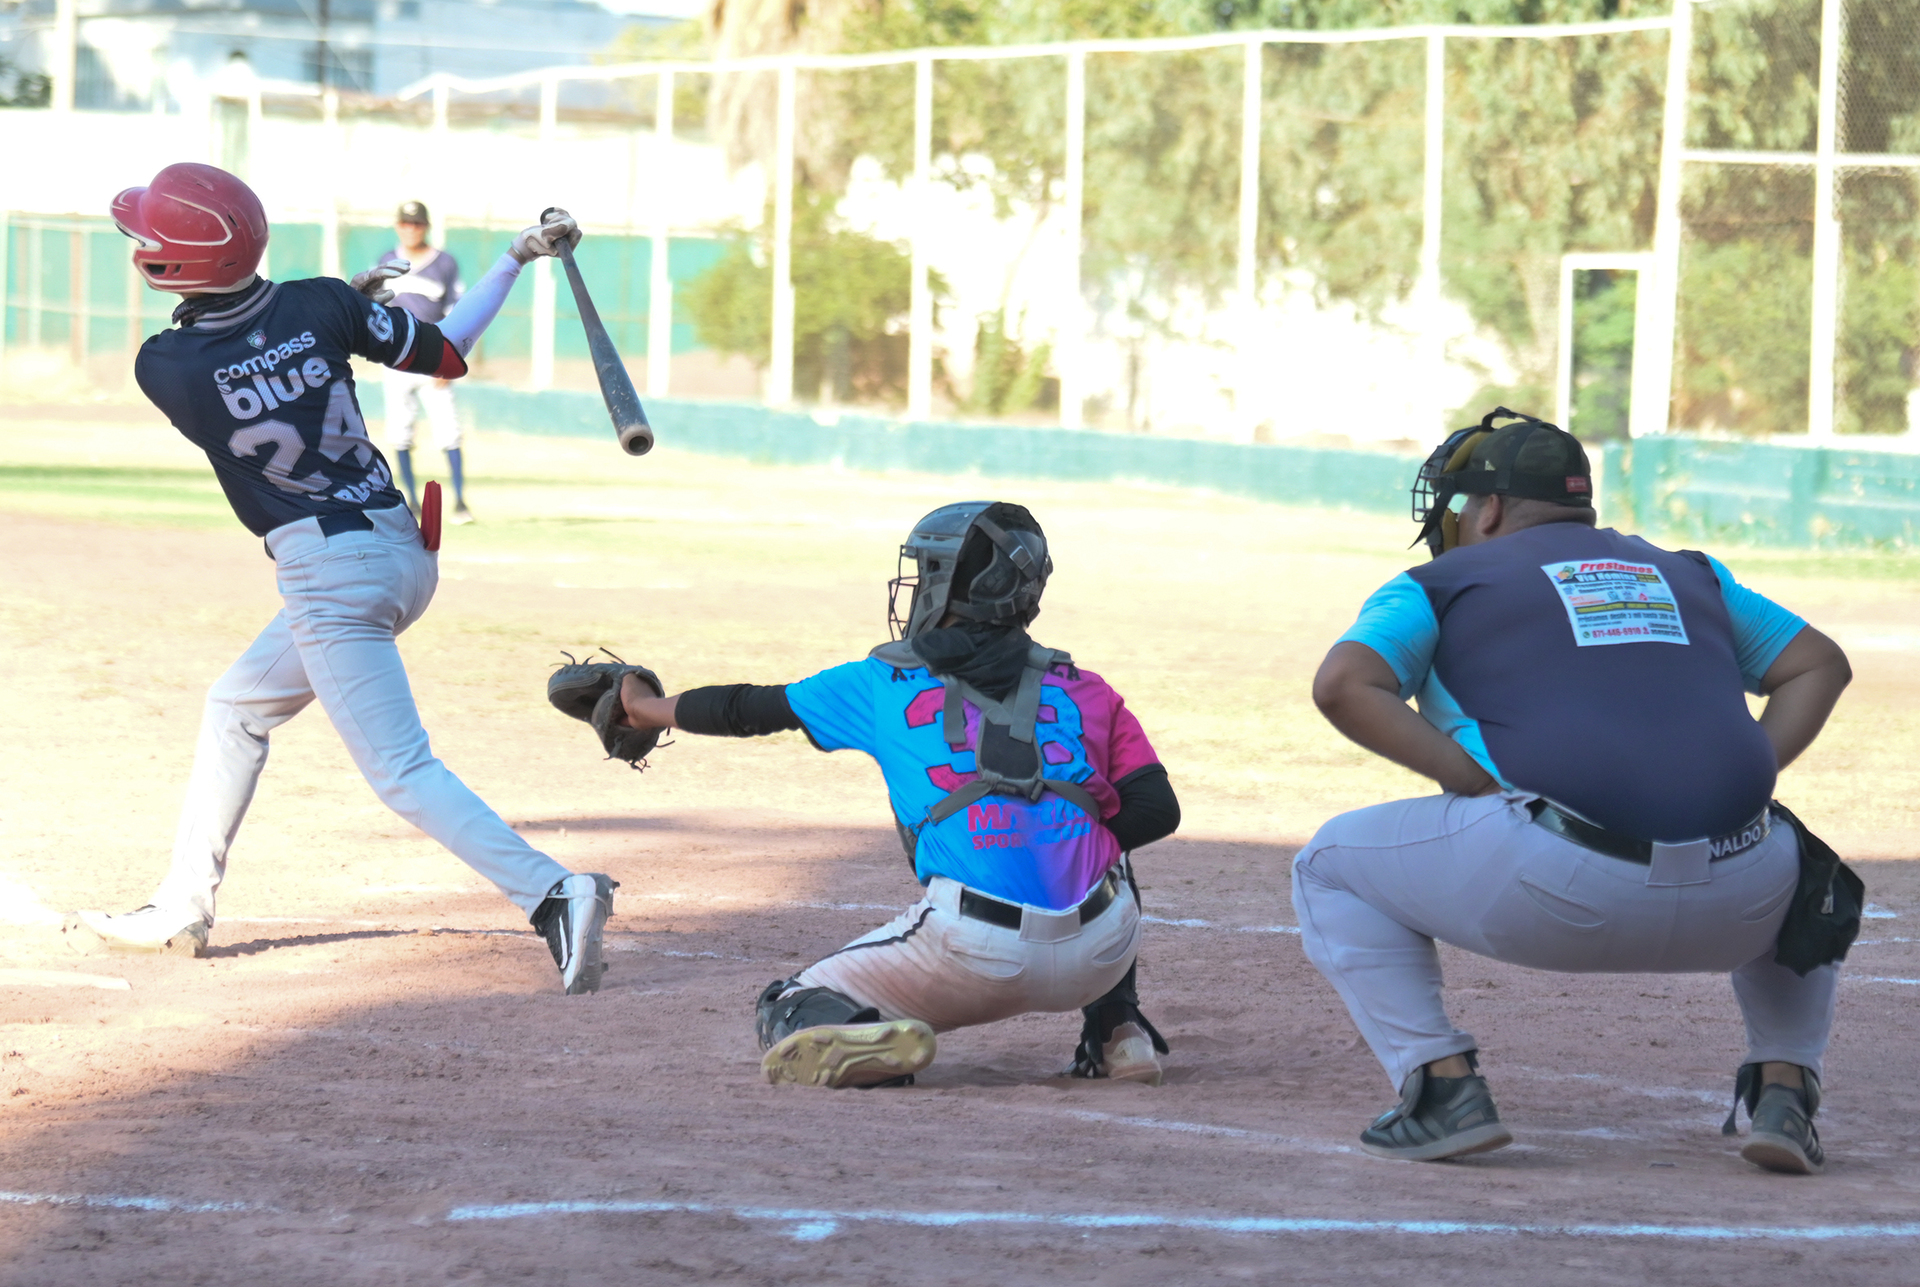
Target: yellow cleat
(850, 1054)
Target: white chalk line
(166, 1206)
(1651, 1092)
(1194, 922)
(61, 979)
(808, 1224)
(1198, 1128)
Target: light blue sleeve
(1397, 622)
(836, 706)
(1761, 628)
(1440, 709)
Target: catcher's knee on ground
(820, 1037)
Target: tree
(850, 298)
(22, 88)
(1552, 146)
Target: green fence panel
(294, 250)
(1767, 494)
(1867, 498)
(687, 258)
(1361, 480)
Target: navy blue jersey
(264, 387)
(431, 285)
(1592, 668)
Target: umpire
(1604, 796)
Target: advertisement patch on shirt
(1614, 602)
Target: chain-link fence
(1705, 222)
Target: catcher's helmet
(979, 560)
(1532, 460)
(199, 229)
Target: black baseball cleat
(1783, 1137)
(571, 919)
(1436, 1118)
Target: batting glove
(373, 282)
(544, 238)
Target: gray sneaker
(1438, 1117)
(1783, 1137)
(571, 919)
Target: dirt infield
(373, 1079)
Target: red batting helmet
(199, 229)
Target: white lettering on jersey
(1611, 602)
(344, 431)
(380, 322)
(268, 390)
(287, 446)
(268, 359)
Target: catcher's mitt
(590, 691)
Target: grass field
(374, 1048)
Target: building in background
(150, 54)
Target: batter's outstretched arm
(482, 302)
(1360, 695)
(468, 319)
(1801, 687)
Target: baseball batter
(1605, 792)
(258, 374)
(1019, 783)
(429, 285)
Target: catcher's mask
(979, 560)
(1486, 460)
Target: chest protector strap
(1007, 759)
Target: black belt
(980, 907)
(1614, 845)
(350, 520)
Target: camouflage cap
(1532, 460)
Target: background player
(257, 374)
(1605, 802)
(428, 287)
(1019, 782)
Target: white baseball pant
(408, 397)
(1374, 888)
(346, 599)
(951, 971)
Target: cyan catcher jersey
(265, 388)
(1046, 852)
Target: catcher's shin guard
(820, 1037)
(1116, 1040)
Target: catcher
(1019, 783)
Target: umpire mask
(1531, 460)
(983, 561)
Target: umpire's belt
(1614, 845)
(980, 907)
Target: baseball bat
(623, 404)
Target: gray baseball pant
(1374, 888)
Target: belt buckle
(1685, 863)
